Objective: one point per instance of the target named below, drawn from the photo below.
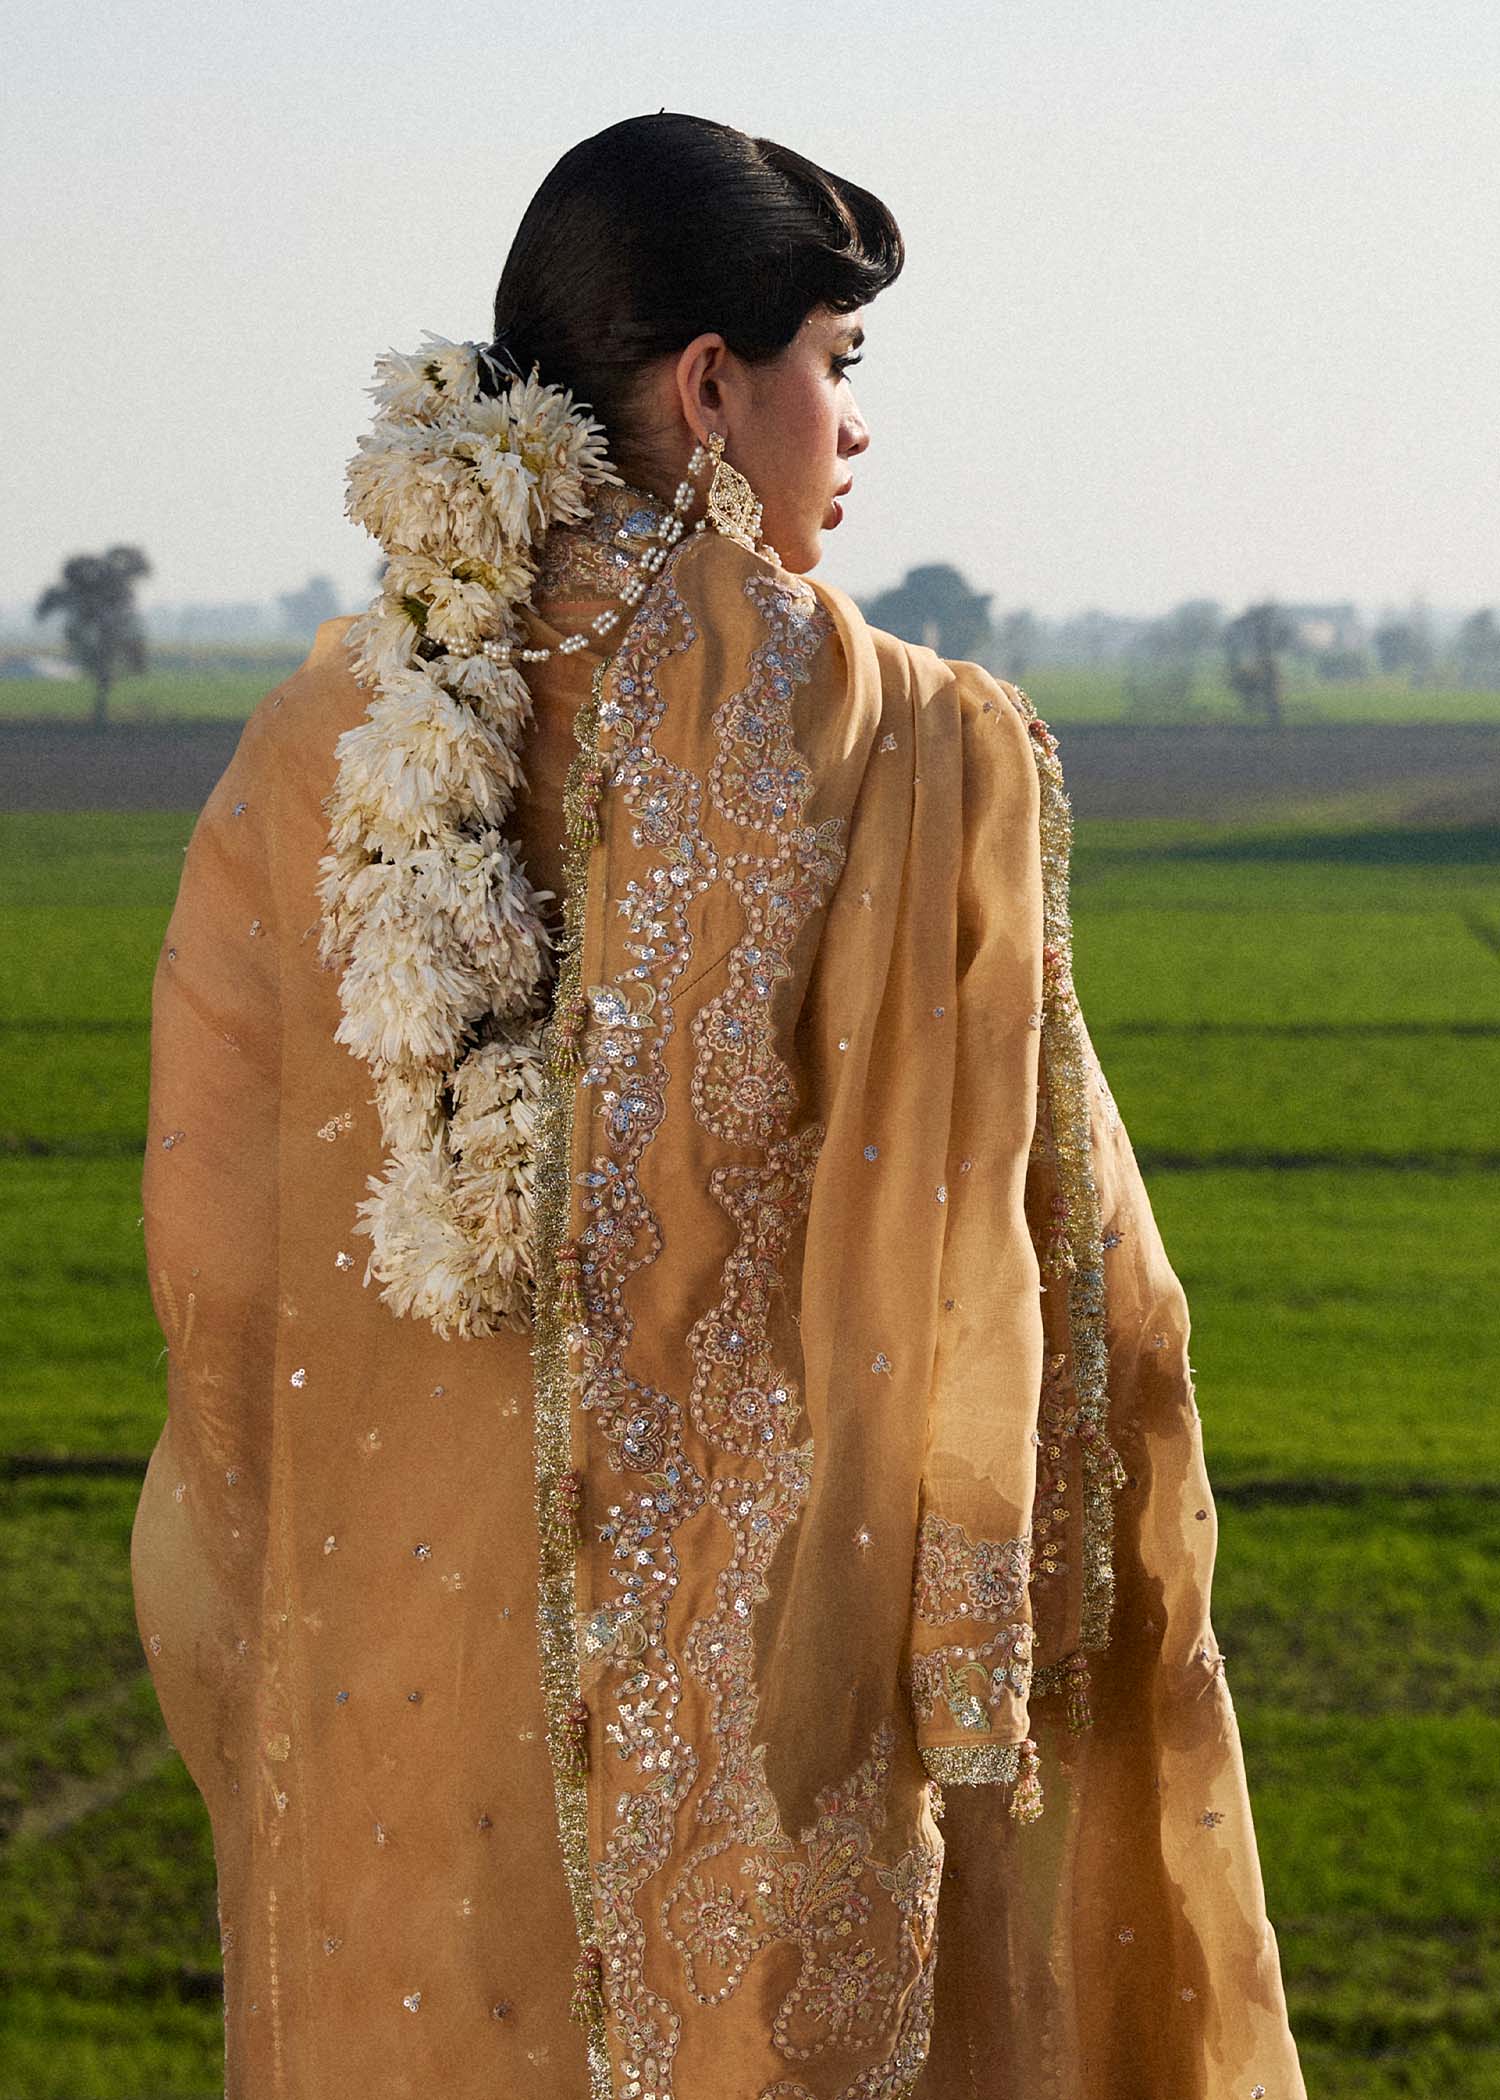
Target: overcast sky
(1200, 300)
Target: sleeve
(209, 1190)
(1114, 1324)
(971, 1634)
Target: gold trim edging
(557, 1598)
(1067, 1069)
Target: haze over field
(1196, 301)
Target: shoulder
(321, 697)
(1006, 745)
(735, 590)
(291, 732)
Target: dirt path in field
(1445, 773)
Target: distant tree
(1253, 648)
(1161, 662)
(102, 629)
(1189, 631)
(1093, 637)
(304, 611)
(1014, 645)
(1405, 645)
(1476, 650)
(936, 606)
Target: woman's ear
(698, 389)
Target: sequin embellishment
(740, 1884)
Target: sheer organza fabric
(641, 1705)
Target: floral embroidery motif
(975, 1684)
(594, 557)
(742, 1883)
(960, 1577)
(759, 780)
(739, 1401)
(582, 1324)
(816, 1895)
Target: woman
(697, 1566)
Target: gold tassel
(1079, 1715)
(563, 1533)
(571, 1015)
(576, 1739)
(570, 1283)
(583, 808)
(1101, 1455)
(588, 1986)
(1059, 1259)
(1026, 1800)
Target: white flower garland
(425, 901)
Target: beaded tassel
(1059, 1259)
(1057, 977)
(1039, 733)
(576, 1738)
(570, 1284)
(583, 808)
(571, 1015)
(1079, 1714)
(1026, 1799)
(1101, 1455)
(588, 1986)
(564, 1520)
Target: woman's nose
(854, 436)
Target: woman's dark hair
(661, 227)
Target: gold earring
(732, 505)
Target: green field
(1303, 1033)
(1063, 693)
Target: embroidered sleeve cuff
(972, 1764)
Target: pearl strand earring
(666, 533)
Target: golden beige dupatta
(761, 1563)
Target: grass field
(1064, 693)
(1303, 1032)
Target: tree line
(104, 636)
(1161, 660)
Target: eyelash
(842, 364)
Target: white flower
(427, 906)
(382, 640)
(434, 380)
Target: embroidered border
(557, 1585)
(960, 1577)
(975, 1682)
(623, 1051)
(816, 1893)
(1067, 1075)
(844, 1991)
